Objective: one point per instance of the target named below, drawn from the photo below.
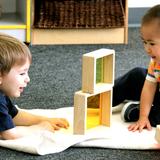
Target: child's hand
(58, 123)
(49, 124)
(140, 125)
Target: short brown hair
(152, 14)
(12, 52)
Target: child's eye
(144, 42)
(22, 74)
(149, 43)
(152, 44)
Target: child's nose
(148, 49)
(27, 79)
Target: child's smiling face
(150, 34)
(13, 83)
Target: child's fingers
(63, 123)
(131, 127)
(134, 127)
(149, 127)
(56, 127)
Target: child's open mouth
(21, 89)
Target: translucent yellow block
(93, 118)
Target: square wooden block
(98, 70)
(91, 110)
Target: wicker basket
(78, 14)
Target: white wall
(142, 3)
(137, 8)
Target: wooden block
(86, 117)
(106, 107)
(157, 134)
(106, 58)
(80, 104)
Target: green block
(99, 70)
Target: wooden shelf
(80, 35)
(15, 19)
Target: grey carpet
(56, 74)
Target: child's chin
(16, 95)
(157, 60)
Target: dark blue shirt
(7, 112)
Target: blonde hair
(12, 52)
(151, 15)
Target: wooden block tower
(97, 84)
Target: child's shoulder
(4, 99)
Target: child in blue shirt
(15, 60)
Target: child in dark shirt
(15, 60)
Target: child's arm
(147, 96)
(24, 118)
(27, 123)
(21, 131)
